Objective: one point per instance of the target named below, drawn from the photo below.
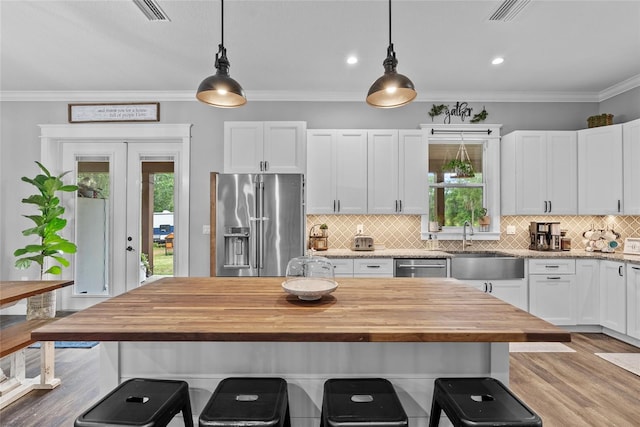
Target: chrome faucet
(464, 234)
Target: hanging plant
(480, 117)
(461, 165)
(436, 110)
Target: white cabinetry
(613, 296)
(600, 171)
(342, 267)
(513, 291)
(552, 290)
(633, 300)
(264, 147)
(337, 171)
(397, 172)
(539, 173)
(588, 287)
(631, 150)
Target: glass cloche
(309, 277)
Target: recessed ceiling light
(352, 60)
(498, 60)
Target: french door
(105, 216)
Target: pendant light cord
(389, 22)
(222, 20)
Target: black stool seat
(479, 402)
(360, 402)
(256, 402)
(140, 402)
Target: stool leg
(187, 414)
(436, 411)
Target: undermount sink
(486, 266)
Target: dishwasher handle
(421, 266)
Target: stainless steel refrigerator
(260, 223)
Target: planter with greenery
(462, 168)
(48, 251)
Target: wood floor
(565, 389)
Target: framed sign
(128, 112)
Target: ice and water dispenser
(236, 247)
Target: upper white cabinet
(264, 147)
(631, 150)
(600, 171)
(633, 300)
(539, 173)
(397, 172)
(337, 172)
(613, 296)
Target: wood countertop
(257, 309)
(11, 291)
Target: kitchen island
(409, 331)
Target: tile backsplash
(403, 231)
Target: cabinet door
(552, 298)
(382, 189)
(633, 300)
(342, 267)
(562, 173)
(513, 292)
(600, 171)
(613, 296)
(320, 185)
(631, 148)
(350, 165)
(373, 267)
(413, 161)
(243, 147)
(531, 173)
(284, 147)
(588, 288)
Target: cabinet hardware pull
(636, 268)
(549, 206)
(554, 278)
(490, 287)
(545, 206)
(266, 166)
(373, 266)
(400, 206)
(338, 205)
(334, 205)
(396, 206)
(485, 287)
(620, 270)
(261, 166)
(551, 266)
(618, 205)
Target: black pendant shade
(392, 89)
(220, 90)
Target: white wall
(20, 147)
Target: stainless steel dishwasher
(420, 267)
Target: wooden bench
(15, 338)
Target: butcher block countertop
(257, 309)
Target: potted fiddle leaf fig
(50, 247)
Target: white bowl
(309, 288)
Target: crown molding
(617, 89)
(316, 96)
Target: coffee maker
(545, 236)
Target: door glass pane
(92, 226)
(456, 183)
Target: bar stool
(257, 402)
(361, 402)
(140, 402)
(479, 402)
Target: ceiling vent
(508, 9)
(152, 10)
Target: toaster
(362, 243)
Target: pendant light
(392, 89)
(220, 90)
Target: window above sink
(463, 194)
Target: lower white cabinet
(613, 296)
(552, 294)
(633, 301)
(373, 267)
(588, 288)
(342, 267)
(513, 292)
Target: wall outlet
(360, 229)
(511, 229)
(206, 229)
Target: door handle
(620, 270)
(266, 165)
(261, 166)
(338, 205)
(549, 206)
(485, 287)
(334, 205)
(396, 206)
(545, 206)
(400, 206)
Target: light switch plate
(511, 229)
